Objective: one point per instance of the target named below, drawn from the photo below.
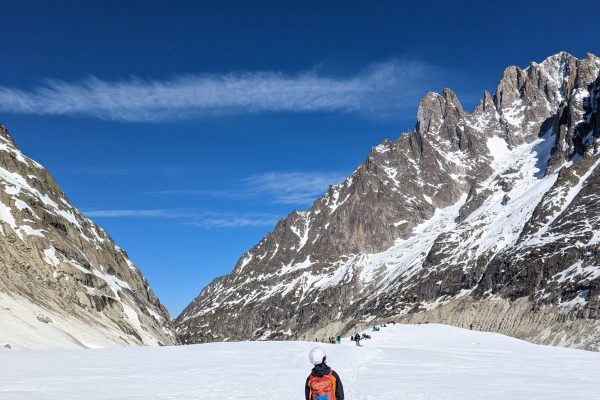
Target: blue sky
(188, 129)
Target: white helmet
(317, 356)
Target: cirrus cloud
(205, 219)
(383, 89)
(279, 187)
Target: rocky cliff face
(496, 209)
(63, 281)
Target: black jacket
(321, 370)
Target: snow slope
(400, 362)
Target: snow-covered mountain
(488, 218)
(63, 281)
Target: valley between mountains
(488, 218)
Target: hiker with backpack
(323, 383)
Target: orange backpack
(322, 387)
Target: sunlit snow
(400, 362)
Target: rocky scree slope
(63, 281)
(488, 218)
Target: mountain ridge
(63, 281)
(445, 214)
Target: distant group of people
(376, 328)
(330, 340)
(356, 338)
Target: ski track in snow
(400, 362)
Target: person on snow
(323, 383)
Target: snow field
(400, 362)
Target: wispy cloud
(289, 188)
(292, 187)
(381, 89)
(206, 219)
(297, 188)
(152, 213)
(238, 220)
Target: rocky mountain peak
(487, 103)
(63, 281)
(5, 136)
(441, 225)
